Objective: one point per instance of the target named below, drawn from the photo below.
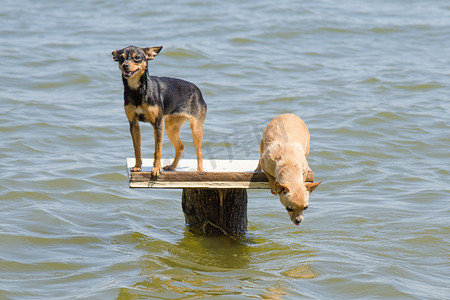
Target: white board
(209, 165)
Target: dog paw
(135, 169)
(156, 171)
(169, 168)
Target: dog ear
(279, 188)
(116, 54)
(151, 52)
(311, 186)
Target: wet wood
(215, 211)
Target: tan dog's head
(133, 61)
(295, 198)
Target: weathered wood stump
(215, 211)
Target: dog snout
(298, 220)
(125, 65)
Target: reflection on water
(304, 271)
(212, 266)
(194, 266)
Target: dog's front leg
(136, 136)
(272, 181)
(159, 132)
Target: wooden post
(215, 211)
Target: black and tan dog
(159, 100)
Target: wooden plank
(199, 184)
(200, 176)
(218, 174)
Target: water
(370, 79)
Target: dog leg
(159, 132)
(173, 126)
(272, 183)
(261, 151)
(136, 137)
(197, 136)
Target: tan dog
(284, 148)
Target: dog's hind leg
(197, 136)
(259, 168)
(173, 127)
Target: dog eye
(137, 58)
(305, 208)
(289, 209)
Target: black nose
(125, 66)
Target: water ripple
(368, 79)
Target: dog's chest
(143, 112)
(139, 111)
